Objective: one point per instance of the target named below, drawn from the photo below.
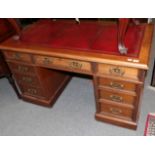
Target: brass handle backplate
(47, 61)
(22, 69)
(116, 98)
(115, 111)
(117, 71)
(27, 79)
(32, 91)
(17, 56)
(116, 85)
(75, 65)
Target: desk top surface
(86, 36)
(92, 40)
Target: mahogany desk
(46, 48)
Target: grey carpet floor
(72, 114)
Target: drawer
(20, 68)
(65, 63)
(117, 97)
(116, 110)
(23, 57)
(32, 91)
(118, 71)
(116, 84)
(27, 79)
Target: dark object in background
(6, 30)
(27, 21)
(5, 72)
(153, 76)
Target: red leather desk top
(86, 36)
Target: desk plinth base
(116, 121)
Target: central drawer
(63, 63)
(117, 97)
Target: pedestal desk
(47, 51)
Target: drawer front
(32, 91)
(18, 56)
(117, 84)
(117, 97)
(119, 71)
(116, 110)
(26, 79)
(20, 68)
(65, 63)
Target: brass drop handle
(27, 79)
(117, 71)
(22, 69)
(16, 55)
(32, 91)
(116, 85)
(115, 111)
(116, 98)
(75, 64)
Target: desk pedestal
(38, 85)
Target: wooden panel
(20, 68)
(116, 84)
(17, 56)
(117, 97)
(119, 71)
(65, 63)
(116, 110)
